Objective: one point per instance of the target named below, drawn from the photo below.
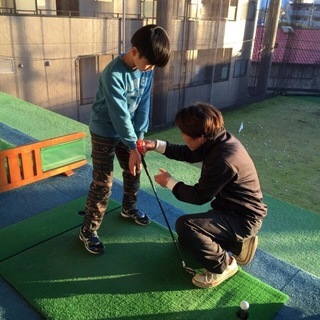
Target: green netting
(60, 155)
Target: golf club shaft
(161, 208)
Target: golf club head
(190, 270)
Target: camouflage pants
(104, 151)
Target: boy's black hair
(153, 43)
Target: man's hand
(150, 144)
(162, 178)
(134, 161)
(145, 145)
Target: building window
(222, 66)
(202, 67)
(148, 8)
(251, 11)
(212, 9)
(26, 6)
(176, 81)
(90, 68)
(191, 68)
(6, 66)
(240, 68)
(232, 10)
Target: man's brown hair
(201, 119)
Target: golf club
(140, 146)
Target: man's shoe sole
(252, 247)
(208, 285)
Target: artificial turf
(139, 277)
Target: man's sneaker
(249, 247)
(91, 241)
(206, 279)
(137, 216)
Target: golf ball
(244, 305)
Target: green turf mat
(28, 233)
(139, 277)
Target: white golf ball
(244, 305)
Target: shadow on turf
(139, 270)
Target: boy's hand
(134, 161)
(162, 178)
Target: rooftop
(295, 46)
(22, 123)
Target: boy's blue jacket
(122, 103)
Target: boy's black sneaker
(137, 216)
(91, 241)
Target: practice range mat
(140, 276)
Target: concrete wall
(32, 41)
(44, 51)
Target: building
(52, 52)
(295, 64)
(303, 13)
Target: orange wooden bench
(32, 162)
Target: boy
(229, 180)
(120, 116)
